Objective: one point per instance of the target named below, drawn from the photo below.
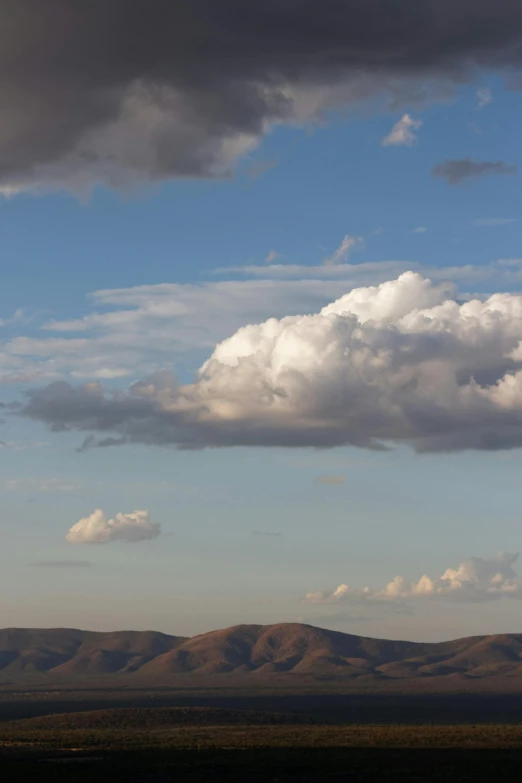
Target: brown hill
(262, 650)
(278, 648)
(69, 651)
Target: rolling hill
(296, 649)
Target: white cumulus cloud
(401, 362)
(97, 529)
(476, 579)
(403, 132)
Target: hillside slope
(70, 651)
(263, 650)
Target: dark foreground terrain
(258, 703)
(497, 701)
(222, 745)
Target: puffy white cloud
(403, 132)
(399, 362)
(97, 529)
(130, 332)
(474, 580)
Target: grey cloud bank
(139, 90)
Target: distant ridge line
(262, 650)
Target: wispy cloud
(340, 256)
(257, 169)
(330, 480)
(22, 445)
(374, 272)
(484, 97)
(135, 330)
(44, 485)
(20, 316)
(419, 230)
(272, 256)
(403, 132)
(462, 169)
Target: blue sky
(249, 531)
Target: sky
(261, 316)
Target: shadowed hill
(285, 647)
(69, 651)
(262, 650)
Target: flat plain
(215, 744)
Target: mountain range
(291, 648)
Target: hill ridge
(298, 649)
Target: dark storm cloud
(455, 171)
(127, 90)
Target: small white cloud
(97, 529)
(484, 96)
(340, 256)
(272, 256)
(330, 480)
(403, 132)
(475, 580)
(419, 230)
